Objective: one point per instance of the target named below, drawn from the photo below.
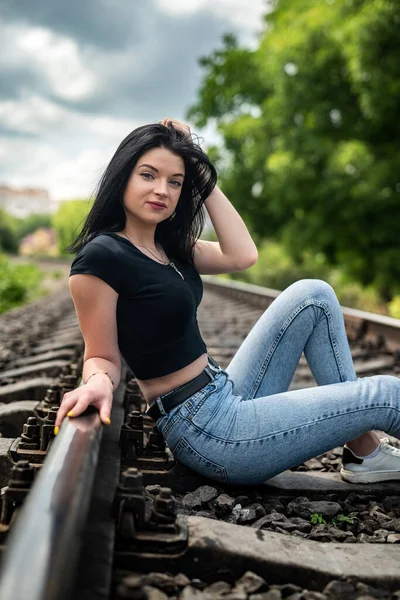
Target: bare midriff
(152, 388)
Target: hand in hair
(178, 125)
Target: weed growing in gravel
(343, 519)
(317, 519)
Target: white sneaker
(384, 466)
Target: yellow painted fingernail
(70, 414)
(108, 420)
(56, 430)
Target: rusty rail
(41, 555)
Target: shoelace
(388, 448)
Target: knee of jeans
(316, 288)
(387, 380)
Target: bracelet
(105, 372)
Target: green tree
(68, 221)
(311, 130)
(33, 222)
(8, 233)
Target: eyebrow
(154, 169)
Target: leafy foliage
(317, 519)
(311, 130)
(68, 221)
(18, 283)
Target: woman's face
(157, 177)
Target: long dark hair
(177, 235)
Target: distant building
(41, 242)
(27, 201)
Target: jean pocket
(189, 457)
(166, 422)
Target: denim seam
(200, 401)
(275, 433)
(184, 444)
(283, 330)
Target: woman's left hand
(177, 125)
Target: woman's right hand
(97, 392)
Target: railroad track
(107, 512)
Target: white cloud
(244, 15)
(32, 115)
(64, 149)
(69, 156)
(59, 59)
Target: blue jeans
(244, 427)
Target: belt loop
(209, 373)
(160, 405)
(213, 365)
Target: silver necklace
(170, 263)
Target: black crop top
(157, 324)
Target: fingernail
(56, 430)
(70, 414)
(108, 421)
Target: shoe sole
(369, 477)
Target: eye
(173, 181)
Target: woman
(136, 287)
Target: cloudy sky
(78, 76)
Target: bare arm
(95, 304)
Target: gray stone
(271, 552)
(268, 519)
(340, 590)
(368, 590)
(223, 504)
(301, 524)
(236, 510)
(205, 493)
(311, 481)
(236, 595)
(393, 524)
(393, 538)
(191, 593)
(153, 593)
(162, 581)
(250, 513)
(305, 508)
(313, 463)
(368, 526)
(218, 587)
(192, 502)
(153, 489)
(181, 580)
(339, 535)
(250, 582)
(273, 505)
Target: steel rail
(360, 323)
(43, 546)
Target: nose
(161, 188)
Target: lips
(158, 204)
